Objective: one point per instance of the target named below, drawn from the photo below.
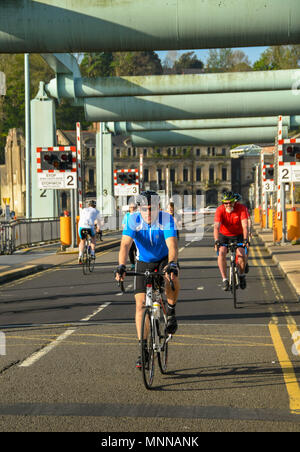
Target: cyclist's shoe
(138, 363)
(243, 283)
(225, 285)
(80, 260)
(171, 324)
(247, 268)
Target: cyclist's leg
(93, 241)
(81, 245)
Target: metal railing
(27, 232)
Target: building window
(118, 153)
(174, 152)
(134, 152)
(224, 173)
(208, 151)
(172, 174)
(198, 174)
(146, 175)
(198, 152)
(223, 151)
(213, 151)
(91, 177)
(129, 152)
(169, 152)
(145, 152)
(211, 174)
(185, 175)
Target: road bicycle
(155, 338)
(234, 276)
(88, 261)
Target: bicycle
(155, 338)
(234, 277)
(88, 261)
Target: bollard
(293, 225)
(279, 230)
(65, 231)
(271, 218)
(256, 215)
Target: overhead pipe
(192, 106)
(207, 137)
(68, 86)
(121, 128)
(49, 26)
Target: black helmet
(228, 196)
(147, 198)
(92, 203)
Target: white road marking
(40, 353)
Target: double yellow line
(288, 371)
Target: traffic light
(291, 153)
(126, 178)
(56, 160)
(269, 173)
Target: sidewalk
(37, 264)
(287, 257)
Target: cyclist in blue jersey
(155, 236)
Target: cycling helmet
(92, 203)
(147, 198)
(237, 197)
(228, 196)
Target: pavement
(285, 256)
(37, 264)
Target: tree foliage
(227, 60)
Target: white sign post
(2, 84)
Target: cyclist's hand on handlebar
(120, 272)
(246, 242)
(172, 270)
(217, 245)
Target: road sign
(269, 186)
(57, 181)
(126, 182)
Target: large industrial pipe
(121, 128)
(192, 106)
(83, 25)
(64, 86)
(207, 137)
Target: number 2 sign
(285, 174)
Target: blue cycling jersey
(150, 239)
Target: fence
(20, 233)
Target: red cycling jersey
(231, 223)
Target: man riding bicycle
(231, 224)
(89, 217)
(155, 236)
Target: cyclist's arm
(217, 225)
(126, 243)
(172, 244)
(245, 228)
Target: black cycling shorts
(140, 266)
(231, 238)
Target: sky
(253, 53)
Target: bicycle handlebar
(235, 245)
(147, 273)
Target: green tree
(227, 60)
(279, 57)
(187, 60)
(97, 64)
(136, 63)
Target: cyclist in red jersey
(231, 223)
(238, 198)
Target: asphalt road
(70, 352)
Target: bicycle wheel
(162, 355)
(91, 263)
(233, 284)
(85, 262)
(147, 351)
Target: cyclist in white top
(89, 217)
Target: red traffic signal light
(291, 152)
(127, 178)
(56, 160)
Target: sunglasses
(149, 208)
(228, 203)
